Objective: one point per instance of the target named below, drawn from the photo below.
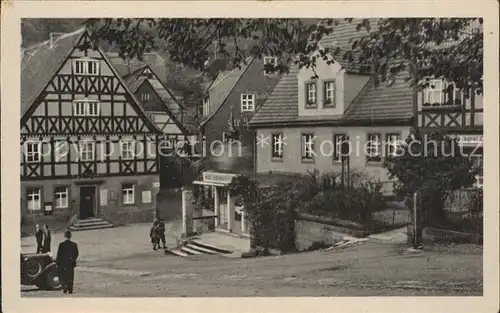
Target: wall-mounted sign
(470, 140)
(156, 184)
(146, 196)
(103, 197)
(222, 178)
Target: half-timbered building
(88, 149)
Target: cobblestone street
(119, 262)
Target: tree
(386, 47)
(434, 165)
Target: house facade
(306, 119)
(231, 101)
(311, 116)
(88, 149)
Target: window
(206, 106)
(87, 151)
(270, 64)
(338, 153)
(61, 197)
(86, 108)
(441, 93)
(34, 199)
(329, 94)
(128, 194)
(146, 96)
(86, 67)
(247, 102)
(307, 147)
(32, 151)
(127, 149)
(311, 95)
(373, 148)
(277, 148)
(392, 142)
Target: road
(368, 269)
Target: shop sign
(221, 178)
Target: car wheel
(32, 268)
(51, 280)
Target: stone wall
(308, 233)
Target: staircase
(90, 223)
(194, 247)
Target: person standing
(153, 234)
(39, 238)
(47, 240)
(161, 233)
(67, 254)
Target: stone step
(101, 223)
(189, 250)
(200, 249)
(209, 247)
(176, 252)
(90, 227)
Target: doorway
(87, 201)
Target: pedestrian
(39, 238)
(47, 239)
(67, 254)
(161, 232)
(154, 235)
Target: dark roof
(222, 86)
(40, 63)
(372, 104)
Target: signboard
(146, 196)
(103, 197)
(470, 140)
(221, 178)
(156, 184)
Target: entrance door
(87, 201)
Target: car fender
(52, 265)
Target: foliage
(271, 211)
(434, 166)
(384, 47)
(324, 196)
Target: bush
(323, 195)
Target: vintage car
(39, 269)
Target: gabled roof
(126, 67)
(222, 86)
(41, 63)
(372, 104)
(45, 60)
(135, 80)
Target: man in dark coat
(47, 239)
(39, 239)
(67, 254)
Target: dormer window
(247, 102)
(329, 94)
(270, 64)
(440, 93)
(311, 95)
(86, 67)
(86, 108)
